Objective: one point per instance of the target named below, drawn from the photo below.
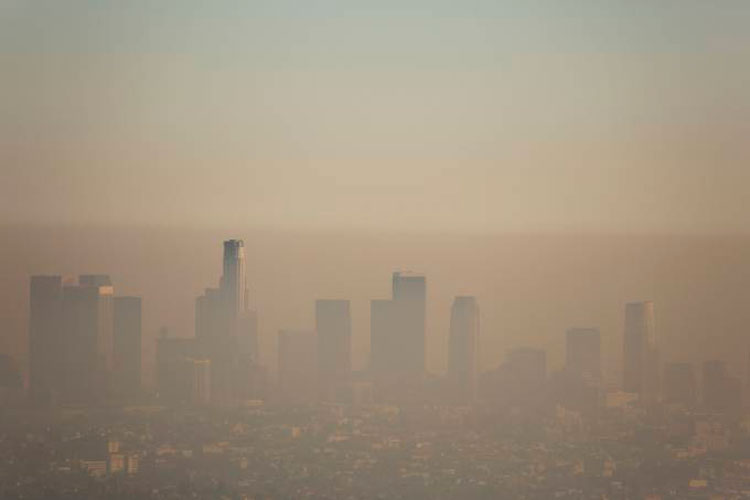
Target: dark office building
(384, 340)
(409, 295)
(175, 369)
(521, 381)
(527, 366)
(641, 355)
(583, 353)
(45, 339)
(721, 392)
(127, 347)
(397, 337)
(10, 375)
(678, 384)
(297, 366)
(87, 324)
(333, 325)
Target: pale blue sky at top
(478, 115)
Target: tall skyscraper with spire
(226, 327)
(220, 312)
(640, 352)
(462, 349)
(233, 282)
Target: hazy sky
(481, 115)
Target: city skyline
(360, 249)
(99, 340)
(714, 317)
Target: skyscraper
(409, 294)
(233, 284)
(209, 314)
(333, 325)
(641, 356)
(397, 339)
(297, 366)
(520, 381)
(127, 346)
(462, 349)
(45, 339)
(174, 368)
(679, 384)
(226, 328)
(218, 310)
(583, 355)
(87, 321)
(10, 375)
(200, 390)
(721, 392)
(527, 366)
(383, 338)
(11, 383)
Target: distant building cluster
(220, 364)
(84, 342)
(85, 349)
(217, 426)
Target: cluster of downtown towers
(85, 348)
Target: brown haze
(531, 288)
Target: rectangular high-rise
(127, 347)
(640, 352)
(384, 341)
(679, 384)
(409, 296)
(333, 326)
(174, 369)
(87, 322)
(45, 339)
(397, 340)
(721, 392)
(210, 318)
(527, 367)
(200, 390)
(583, 356)
(462, 349)
(522, 379)
(297, 366)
